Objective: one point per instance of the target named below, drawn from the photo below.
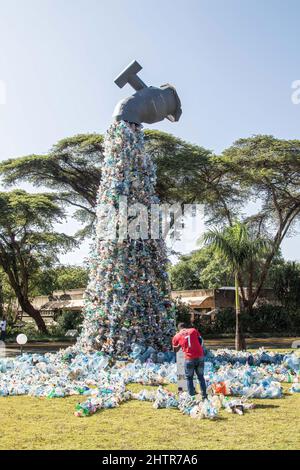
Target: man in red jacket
(190, 340)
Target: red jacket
(189, 340)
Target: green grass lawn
(41, 423)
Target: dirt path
(13, 349)
(252, 343)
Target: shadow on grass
(261, 407)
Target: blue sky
(232, 62)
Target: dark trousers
(2, 335)
(190, 367)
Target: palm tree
(237, 247)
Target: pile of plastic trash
(103, 383)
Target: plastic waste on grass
(103, 384)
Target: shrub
(69, 320)
(271, 319)
(264, 319)
(225, 321)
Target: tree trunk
(24, 302)
(1, 300)
(28, 308)
(240, 343)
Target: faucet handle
(129, 75)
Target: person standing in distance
(2, 329)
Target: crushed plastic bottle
(165, 399)
(295, 388)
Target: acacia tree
(285, 279)
(268, 171)
(237, 248)
(72, 168)
(28, 242)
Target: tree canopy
(202, 269)
(28, 241)
(60, 277)
(268, 169)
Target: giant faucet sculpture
(148, 104)
(127, 307)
